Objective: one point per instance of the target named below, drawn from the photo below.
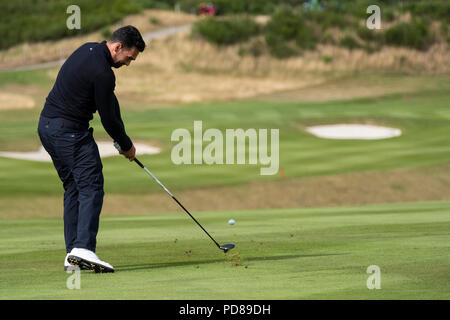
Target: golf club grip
(139, 163)
(117, 146)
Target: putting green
(280, 254)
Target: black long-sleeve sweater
(85, 84)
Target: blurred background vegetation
(38, 20)
(293, 26)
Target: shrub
(38, 20)
(280, 48)
(349, 42)
(374, 37)
(156, 4)
(225, 31)
(388, 14)
(249, 6)
(329, 19)
(306, 38)
(414, 35)
(438, 10)
(223, 7)
(284, 24)
(287, 32)
(327, 59)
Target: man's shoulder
(87, 46)
(82, 54)
(91, 44)
(94, 61)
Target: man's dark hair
(129, 37)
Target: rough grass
(391, 186)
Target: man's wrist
(126, 145)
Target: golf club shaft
(175, 199)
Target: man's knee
(69, 185)
(91, 183)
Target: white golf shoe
(68, 266)
(88, 260)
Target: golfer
(85, 84)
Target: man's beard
(117, 64)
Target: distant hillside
(291, 30)
(40, 20)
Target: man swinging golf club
(85, 84)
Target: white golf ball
(231, 222)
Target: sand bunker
(9, 101)
(353, 131)
(106, 149)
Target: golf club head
(227, 247)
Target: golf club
(224, 247)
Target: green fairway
(423, 118)
(318, 253)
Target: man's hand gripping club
(130, 154)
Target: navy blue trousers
(77, 160)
